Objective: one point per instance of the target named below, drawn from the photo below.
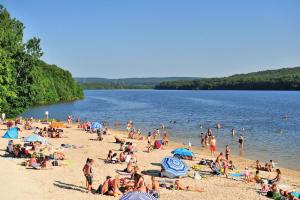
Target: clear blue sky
(144, 38)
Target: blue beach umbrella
(182, 152)
(174, 167)
(96, 125)
(137, 196)
(35, 138)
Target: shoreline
(204, 151)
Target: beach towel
(197, 167)
(236, 175)
(296, 194)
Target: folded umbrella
(182, 152)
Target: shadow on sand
(69, 186)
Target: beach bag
(197, 176)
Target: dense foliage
(133, 81)
(281, 79)
(126, 83)
(25, 80)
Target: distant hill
(280, 79)
(126, 83)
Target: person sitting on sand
(270, 166)
(122, 146)
(133, 157)
(215, 170)
(109, 156)
(277, 179)
(45, 164)
(107, 188)
(10, 146)
(129, 147)
(178, 186)
(122, 157)
(129, 168)
(219, 159)
(231, 165)
(139, 183)
(32, 162)
(274, 192)
(258, 165)
(114, 158)
(257, 177)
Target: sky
(158, 38)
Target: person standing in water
(202, 138)
(227, 152)
(232, 132)
(213, 146)
(241, 142)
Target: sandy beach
(68, 182)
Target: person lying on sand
(116, 186)
(178, 186)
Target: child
(247, 175)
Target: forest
(280, 79)
(26, 80)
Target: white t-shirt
(128, 158)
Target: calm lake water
(259, 113)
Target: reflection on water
(268, 119)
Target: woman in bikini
(227, 152)
(107, 188)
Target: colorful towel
(236, 175)
(296, 194)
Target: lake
(258, 114)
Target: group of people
(49, 132)
(208, 139)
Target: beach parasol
(137, 196)
(174, 167)
(182, 152)
(96, 125)
(35, 138)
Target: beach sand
(68, 182)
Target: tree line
(26, 80)
(281, 79)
